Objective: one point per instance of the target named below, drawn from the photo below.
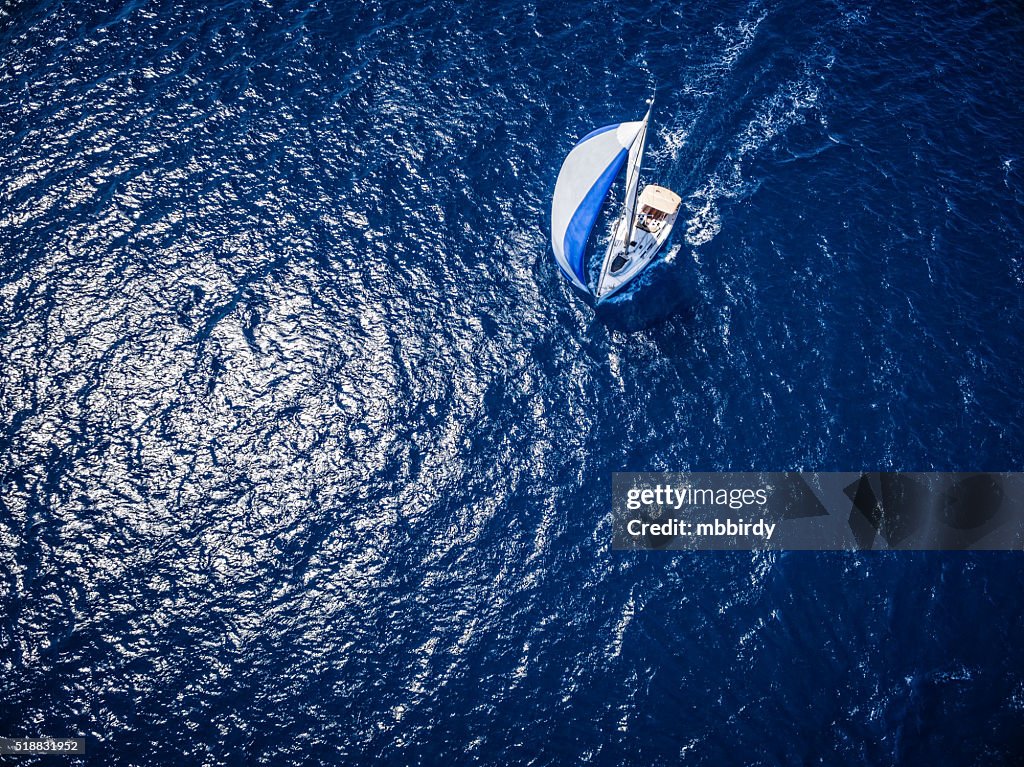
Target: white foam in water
(672, 142)
(738, 39)
(705, 222)
(614, 368)
(775, 115)
(782, 111)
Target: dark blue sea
(306, 445)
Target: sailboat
(587, 176)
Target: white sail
(624, 227)
(583, 183)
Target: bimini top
(660, 198)
(583, 182)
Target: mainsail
(624, 227)
(583, 182)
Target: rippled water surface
(305, 446)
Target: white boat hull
(656, 215)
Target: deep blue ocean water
(305, 445)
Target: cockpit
(651, 219)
